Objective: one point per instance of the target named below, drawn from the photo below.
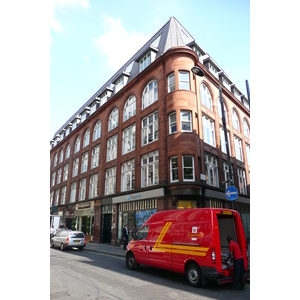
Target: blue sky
(90, 40)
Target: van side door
(141, 245)
(160, 246)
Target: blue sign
(231, 193)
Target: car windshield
(77, 235)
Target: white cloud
(117, 43)
(57, 4)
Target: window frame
(113, 117)
(86, 138)
(184, 84)
(128, 139)
(95, 157)
(152, 163)
(110, 181)
(183, 121)
(172, 123)
(112, 148)
(77, 144)
(75, 167)
(150, 94)
(129, 108)
(211, 164)
(84, 162)
(206, 98)
(125, 171)
(82, 189)
(93, 188)
(173, 169)
(147, 127)
(171, 84)
(97, 131)
(209, 132)
(238, 149)
(188, 167)
(145, 61)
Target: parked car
(69, 239)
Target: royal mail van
(190, 241)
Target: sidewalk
(106, 249)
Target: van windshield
(143, 233)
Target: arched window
(220, 110)
(55, 160)
(113, 119)
(129, 108)
(86, 138)
(61, 156)
(205, 96)
(235, 120)
(97, 131)
(77, 145)
(68, 151)
(246, 129)
(150, 94)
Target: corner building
(151, 139)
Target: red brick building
(150, 139)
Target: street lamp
(199, 72)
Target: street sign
(231, 193)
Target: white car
(69, 239)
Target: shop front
(134, 209)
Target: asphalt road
(89, 275)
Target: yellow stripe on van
(179, 249)
(162, 233)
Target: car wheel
(193, 274)
(62, 246)
(131, 262)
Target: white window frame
(242, 181)
(209, 135)
(128, 141)
(172, 123)
(84, 162)
(238, 148)
(73, 192)
(97, 131)
(93, 107)
(223, 142)
(55, 160)
(56, 197)
(63, 195)
(93, 186)
(68, 151)
(246, 129)
(186, 123)
(171, 82)
(66, 171)
(174, 175)
(220, 110)
(184, 80)
(110, 181)
(112, 148)
(150, 94)
(61, 156)
(103, 98)
(186, 167)
(95, 157)
(119, 84)
(82, 189)
(227, 175)
(145, 61)
(129, 108)
(51, 198)
(86, 138)
(75, 167)
(211, 166)
(248, 154)
(150, 128)
(53, 178)
(205, 95)
(113, 120)
(58, 179)
(150, 169)
(77, 145)
(127, 176)
(235, 120)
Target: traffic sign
(231, 193)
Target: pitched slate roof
(170, 35)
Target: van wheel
(193, 274)
(131, 262)
(62, 247)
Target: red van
(190, 241)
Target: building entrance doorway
(106, 228)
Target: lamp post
(199, 72)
